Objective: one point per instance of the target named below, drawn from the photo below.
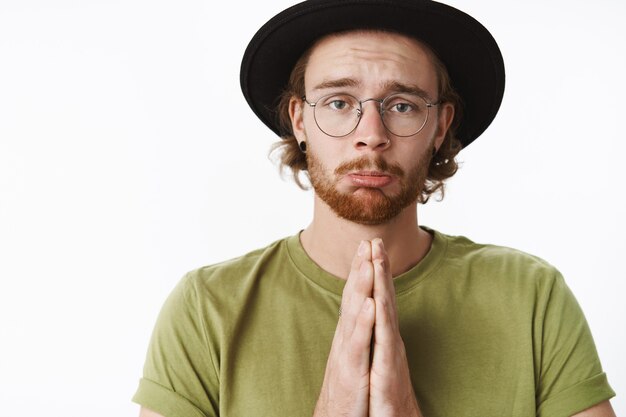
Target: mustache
(363, 163)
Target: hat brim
(467, 49)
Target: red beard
(368, 206)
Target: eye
(338, 104)
(402, 107)
(404, 104)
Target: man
(366, 313)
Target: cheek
(407, 156)
(325, 159)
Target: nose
(371, 132)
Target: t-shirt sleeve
(570, 374)
(179, 377)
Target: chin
(369, 207)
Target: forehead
(371, 59)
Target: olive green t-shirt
(489, 331)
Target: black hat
(466, 48)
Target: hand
(391, 390)
(346, 387)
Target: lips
(371, 179)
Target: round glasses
(403, 114)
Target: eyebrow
(393, 86)
(398, 87)
(339, 83)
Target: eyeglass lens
(402, 114)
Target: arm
(603, 409)
(179, 379)
(391, 392)
(144, 412)
(390, 389)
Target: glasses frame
(381, 112)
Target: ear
(296, 112)
(445, 115)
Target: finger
(379, 254)
(383, 280)
(384, 291)
(361, 338)
(359, 286)
(363, 288)
(378, 249)
(384, 329)
(360, 272)
(354, 266)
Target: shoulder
(237, 273)
(496, 261)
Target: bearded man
(365, 312)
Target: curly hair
(443, 164)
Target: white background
(128, 156)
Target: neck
(331, 241)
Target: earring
(302, 146)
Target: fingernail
(361, 248)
